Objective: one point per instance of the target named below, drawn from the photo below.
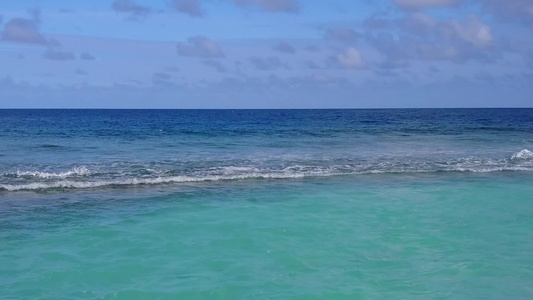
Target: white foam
(142, 181)
(74, 184)
(522, 154)
(77, 178)
(76, 171)
(229, 170)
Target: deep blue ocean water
(267, 204)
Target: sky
(266, 53)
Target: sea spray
(522, 155)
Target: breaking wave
(522, 155)
(82, 177)
(74, 172)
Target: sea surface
(266, 204)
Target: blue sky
(266, 53)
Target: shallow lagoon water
(337, 238)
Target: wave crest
(165, 172)
(522, 154)
(74, 172)
(73, 184)
(142, 181)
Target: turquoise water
(342, 238)
(273, 212)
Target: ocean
(266, 204)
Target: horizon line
(303, 108)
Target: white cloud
(511, 10)
(130, 7)
(351, 59)
(271, 5)
(421, 37)
(215, 64)
(285, 47)
(87, 56)
(422, 4)
(190, 7)
(200, 46)
(474, 31)
(23, 31)
(59, 55)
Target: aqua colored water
(288, 204)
